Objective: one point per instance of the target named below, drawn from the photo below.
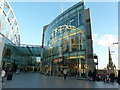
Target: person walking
(3, 75)
(118, 80)
(104, 77)
(107, 78)
(112, 77)
(94, 75)
(90, 75)
(25, 70)
(18, 71)
(47, 73)
(65, 73)
(9, 74)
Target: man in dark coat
(94, 74)
(118, 81)
(112, 77)
(90, 75)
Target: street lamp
(115, 43)
(96, 63)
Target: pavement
(36, 80)
(78, 78)
(0, 83)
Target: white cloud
(105, 40)
(94, 35)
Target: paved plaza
(36, 80)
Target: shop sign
(57, 60)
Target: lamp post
(49, 57)
(115, 43)
(96, 63)
(51, 60)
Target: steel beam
(8, 22)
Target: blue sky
(104, 20)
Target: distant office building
(67, 42)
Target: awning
(27, 50)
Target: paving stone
(36, 80)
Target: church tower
(110, 66)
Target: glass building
(67, 43)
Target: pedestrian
(18, 71)
(9, 74)
(65, 73)
(104, 77)
(5, 72)
(94, 75)
(118, 80)
(47, 73)
(3, 75)
(25, 70)
(112, 77)
(107, 78)
(90, 75)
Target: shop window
(82, 63)
(73, 44)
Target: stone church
(110, 66)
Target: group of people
(106, 77)
(92, 75)
(109, 77)
(5, 73)
(8, 73)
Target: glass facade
(65, 42)
(14, 56)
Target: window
(72, 11)
(61, 18)
(66, 15)
(78, 8)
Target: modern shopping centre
(67, 43)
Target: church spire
(110, 66)
(110, 58)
